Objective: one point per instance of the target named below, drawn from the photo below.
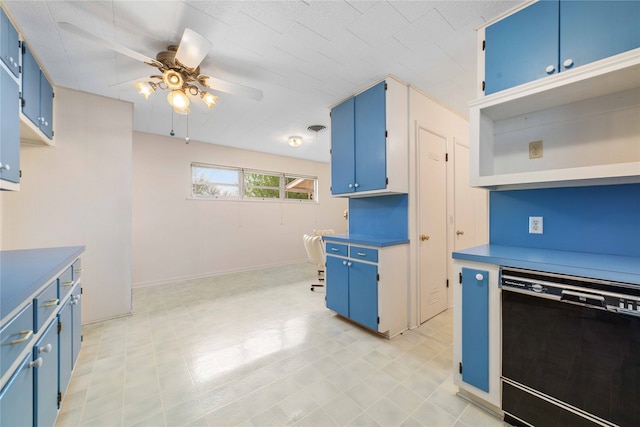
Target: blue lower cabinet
(337, 285)
(363, 294)
(475, 328)
(16, 398)
(352, 290)
(76, 324)
(65, 357)
(46, 377)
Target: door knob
(459, 233)
(424, 237)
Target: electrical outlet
(535, 225)
(535, 150)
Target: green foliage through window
(222, 182)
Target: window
(212, 182)
(224, 182)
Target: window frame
(242, 196)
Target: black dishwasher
(570, 350)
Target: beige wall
(79, 193)
(177, 238)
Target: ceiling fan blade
(106, 43)
(234, 88)
(193, 48)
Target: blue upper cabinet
(371, 139)
(9, 44)
(37, 94)
(343, 147)
(369, 142)
(9, 132)
(552, 36)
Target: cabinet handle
(350, 185)
(27, 335)
(424, 237)
(349, 264)
(79, 270)
(344, 262)
(459, 233)
(356, 185)
(67, 283)
(479, 276)
(361, 254)
(334, 249)
(568, 63)
(36, 363)
(51, 303)
(550, 69)
(45, 349)
(5, 167)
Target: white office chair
(315, 251)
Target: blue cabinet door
(337, 285)
(46, 106)
(16, 398)
(65, 355)
(475, 328)
(9, 44)
(9, 128)
(76, 327)
(30, 87)
(343, 148)
(593, 30)
(46, 377)
(370, 139)
(520, 47)
(363, 294)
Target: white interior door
(470, 204)
(432, 223)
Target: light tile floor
(260, 349)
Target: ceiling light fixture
(295, 141)
(180, 80)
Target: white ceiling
(304, 55)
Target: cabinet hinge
(330, 150)
(447, 283)
(20, 173)
(483, 85)
(378, 320)
(460, 367)
(59, 327)
(59, 398)
(81, 290)
(23, 49)
(378, 277)
(53, 94)
(81, 338)
(484, 44)
(53, 133)
(460, 278)
(385, 85)
(386, 133)
(20, 69)
(446, 157)
(23, 102)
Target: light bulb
(172, 79)
(295, 141)
(146, 88)
(178, 100)
(208, 99)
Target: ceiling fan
(179, 68)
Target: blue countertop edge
(598, 266)
(23, 272)
(367, 240)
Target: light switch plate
(535, 225)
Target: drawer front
(45, 304)
(15, 336)
(65, 284)
(77, 269)
(365, 254)
(336, 249)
